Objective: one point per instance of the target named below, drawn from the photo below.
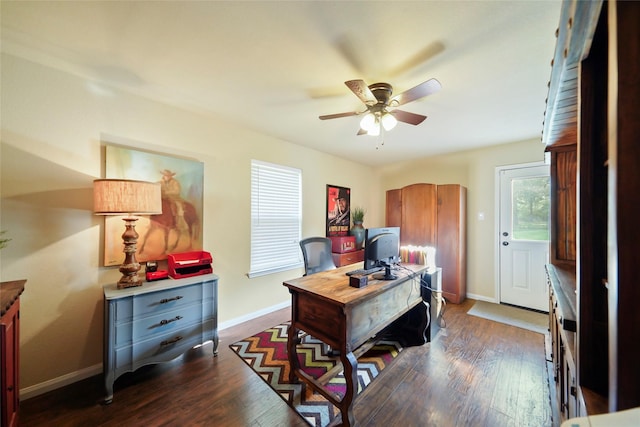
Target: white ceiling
(275, 66)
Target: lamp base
(129, 281)
(130, 267)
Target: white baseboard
(250, 316)
(481, 298)
(55, 383)
(72, 377)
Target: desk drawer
(312, 315)
(348, 258)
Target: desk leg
(350, 365)
(293, 340)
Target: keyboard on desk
(363, 272)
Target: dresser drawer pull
(169, 342)
(166, 300)
(166, 321)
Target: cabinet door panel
(566, 198)
(418, 215)
(451, 247)
(393, 217)
(9, 388)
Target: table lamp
(128, 198)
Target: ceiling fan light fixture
(374, 130)
(378, 99)
(389, 121)
(368, 122)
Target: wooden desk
(347, 318)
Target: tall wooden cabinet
(10, 351)
(593, 106)
(434, 215)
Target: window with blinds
(276, 218)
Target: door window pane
(530, 198)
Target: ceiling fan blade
(362, 91)
(407, 117)
(337, 116)
(423, 89)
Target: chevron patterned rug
(266, 354)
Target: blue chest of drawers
(157, 322)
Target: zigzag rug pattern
(266, 354)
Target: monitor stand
(387, 275)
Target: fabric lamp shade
(122, 197)
(127, 197)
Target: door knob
(505, 243)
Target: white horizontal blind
(276, 217)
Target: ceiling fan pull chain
(380, 139)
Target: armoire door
(393, 214)
(419, 212)
(451, 248)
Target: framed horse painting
(179, 227)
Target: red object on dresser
(189, 264)
(343, 244)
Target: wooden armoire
(591, 130)
(434, 215)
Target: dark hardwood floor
(475, 373)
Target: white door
(524, 236)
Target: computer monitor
(382, 249)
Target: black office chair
(317, 255)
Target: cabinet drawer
(348, 258)
(156, 302)
(158, 323)
(162, 348)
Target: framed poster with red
(338, 213)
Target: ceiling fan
(381, 106)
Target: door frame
(496, 219)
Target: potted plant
(357, 215)
(357, 230)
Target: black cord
(441, 322)
(423, 284)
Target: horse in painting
(179, 218)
